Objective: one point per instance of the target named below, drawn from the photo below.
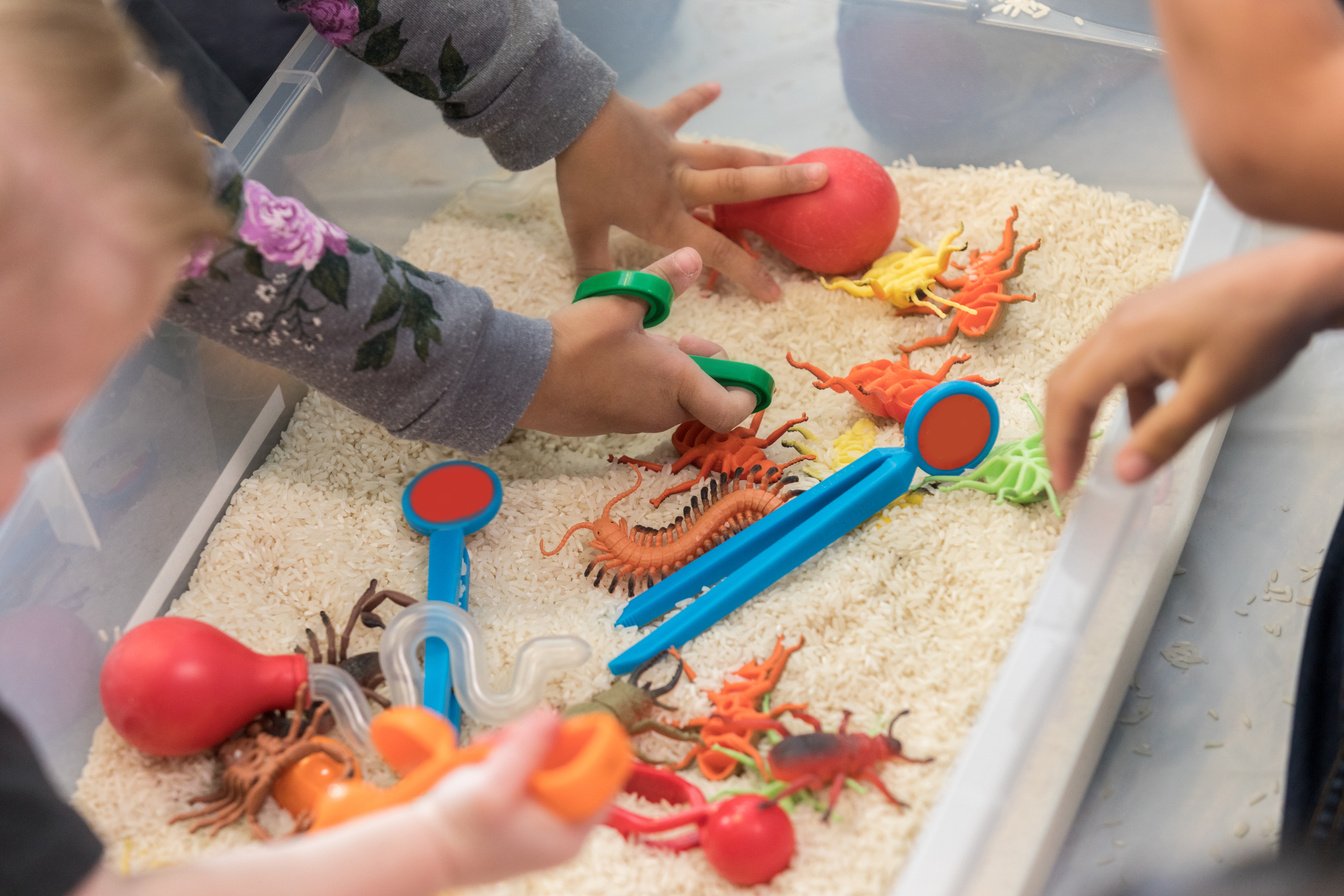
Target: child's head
(103, 193)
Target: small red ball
(748, 839)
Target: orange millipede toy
(725, 506)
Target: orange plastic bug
(722, 452)
(979, 290)
(738, 721)
(887, 388)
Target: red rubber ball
(748, 840)
(841, 228)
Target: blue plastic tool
(951, 428)
(448, 502)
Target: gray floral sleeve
(505, 71)
(422, 354)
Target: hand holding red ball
(841, 228)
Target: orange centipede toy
(724, 507)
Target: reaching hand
(628, 170)
(1222, 334)
(607, 374)
(491, 828)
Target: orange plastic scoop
(586, 766)
(301, 785)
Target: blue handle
(895, 468)
(718, 562)
(445, 583)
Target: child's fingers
(707, 156)
(704, 399)
(1070, 408)
(591, 248)
(722, 254)
(520, 750)
(698, 345)
(745, 184)
(1162, 432)
(679, 109)
(680, 268)
(1141, 398)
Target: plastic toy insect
(821, 759)
(978, 290)
(1014, 471)
(721, 452)
(738, 720)
(364, 667)
(643, 554)
(747, 839)
(906, 279)
(845, 448)
(252, 761)
(887, 388)
(630, 701)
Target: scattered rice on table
(912, 613)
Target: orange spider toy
(738, 721)
(739, 453)
(978, 290)
(887, 388)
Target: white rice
(912, 611)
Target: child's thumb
(521, 749)
(719, 408)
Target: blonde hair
(81, 71)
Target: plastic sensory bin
(107, 532)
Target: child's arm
(1221, 334)
(510, 74)
(506, 72)
(476, 826)
(422, 354)
(1261, 89)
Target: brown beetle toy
(630, 700)
(817, 759)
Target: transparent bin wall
(107, 530)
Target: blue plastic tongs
(951, 428)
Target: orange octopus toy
(736, 720)
(887, 388)
(978, 290)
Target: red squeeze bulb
(174, 686)
(841, 228)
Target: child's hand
(628, 170)
(606, 374)
(491, 828)
(1222, 334)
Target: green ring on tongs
(654, 290)
(741, 375)
(657, 294)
